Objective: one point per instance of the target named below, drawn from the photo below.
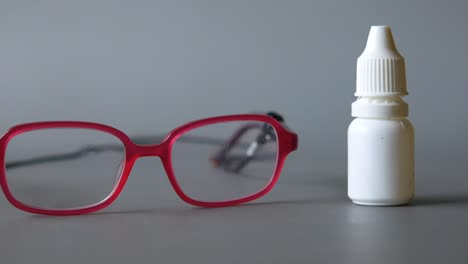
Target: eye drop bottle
(380, 138)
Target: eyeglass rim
(287, 142)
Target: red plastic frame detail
(287, 142)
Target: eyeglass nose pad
(118, 173)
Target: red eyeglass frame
(287, 142)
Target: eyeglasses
(71, 168)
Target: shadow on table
(442, 199)
(326, 189)
(323, 189)
(192, 210)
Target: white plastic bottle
(380, 138)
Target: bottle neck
(380, 107)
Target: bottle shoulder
(371, 125)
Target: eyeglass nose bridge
(156, 150)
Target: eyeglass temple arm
(79, 153)
(94, 149)
(221, 158)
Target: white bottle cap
(380, 68)
(380, 78)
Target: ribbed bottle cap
(380, 68)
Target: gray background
(148, 66)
